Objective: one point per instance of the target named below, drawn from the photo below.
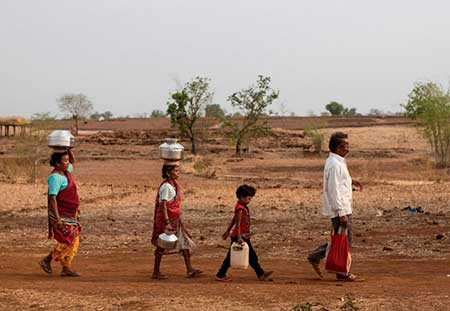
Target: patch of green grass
(303, 307)
(349, 304)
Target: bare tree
(77, 105)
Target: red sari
(67, 202)
(173, 212)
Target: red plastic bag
(338, 256)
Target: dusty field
(406, 267)
(285, 122)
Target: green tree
(43, 116)
(430, 104)
(105, 115)
(235, 114)
(337, 109)
(96, 115)
(334, 108)
(187, 106)
(349, 112)
(77, 105)
(376, 112)
(252, 104)
(158, 114)
(214, 111)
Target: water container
(167, 241)
(60, 140)
(171, 150)
(239, 255)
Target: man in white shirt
(337, 197)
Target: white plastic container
(60, 140)
(239, 255)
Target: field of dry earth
(403, 256)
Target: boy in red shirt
(241, 233)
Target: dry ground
(406, 267)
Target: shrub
(430, 104)
(312, 130)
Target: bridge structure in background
(14, 126)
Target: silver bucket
(171, 150)
(60, 140)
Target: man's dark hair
(56, 157)
(166, 169)
(245, 191)
(335, 140)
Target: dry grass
(14, 120)
(117, 185)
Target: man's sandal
(266, 276)
(46, 266)
(69, 273)
(349, 278)
(316, 267)
(159, 276)
(194, 273)
(223, 279)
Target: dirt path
(118, 280)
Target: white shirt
(167, 192)
(337, 187)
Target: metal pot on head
(171, 150)
(60, 140)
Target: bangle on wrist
(167, 221)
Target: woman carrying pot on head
(63, 213)
(168, 219)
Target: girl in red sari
(63, 214)
(168, 219)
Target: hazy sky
(126, 55)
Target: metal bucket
(171, 150)
(167, 241)
(60, 140)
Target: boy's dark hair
(335, 140)
(56, 157)
(166, 169)
(245, 191)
